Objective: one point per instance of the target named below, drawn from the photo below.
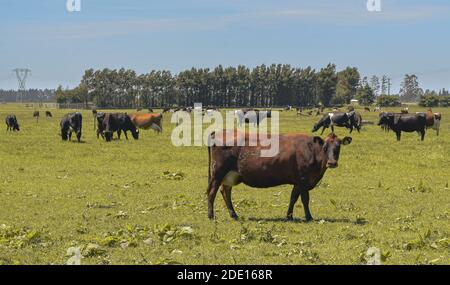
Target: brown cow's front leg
(294, 197)
(305, 200)
(226, 194)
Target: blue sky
(407, 36)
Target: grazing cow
(404, 122)
(301, 161)
(255, 117)
(117, 122)
(71, 123)
(339, 119)
(36, 115)
(404, 110)
(150, 110)
(147, 121)
(138, 109)
(11, 123)
(48, 114)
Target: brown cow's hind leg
(226, 194)
(213, 187)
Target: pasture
(144, 201)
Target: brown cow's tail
(210, 138)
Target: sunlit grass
(116, 196)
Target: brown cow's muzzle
(332, 164)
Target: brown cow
(301, 161)
(147, 121)
(433, 120)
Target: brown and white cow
(301, 161)
(433, 120)
(147, 121)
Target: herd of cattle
(302, 160)
(107, 124)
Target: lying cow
(147, 121)
(340, 119)
(11, 123)
(116, 122)
(301, 161)
(404, 122)
(71, 123)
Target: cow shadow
(315, 221)
(75, 141)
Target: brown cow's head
(332, 147)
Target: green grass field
(144, 202)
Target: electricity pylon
(22, 74)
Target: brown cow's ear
(318, 140)
(346, 140)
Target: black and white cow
(340, 119)
(71, 123)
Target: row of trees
(262, 86)
(30, 95)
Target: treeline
(262, 86)
(30, 95)
(275, 85)
(431, 98)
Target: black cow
(404, 122)
(118, 122)
(11, 123)
(384, 126)
(71, 123)
(339, 119)
(48, 114)
(100, 130)
(36, 115)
